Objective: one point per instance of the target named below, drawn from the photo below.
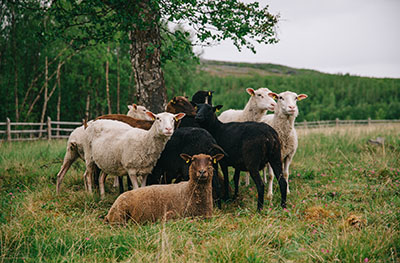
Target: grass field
(343, 207)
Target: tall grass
(343, 207)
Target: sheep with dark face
(170, 166)
(202, 96)
(182, 104)
(249, 145)
(186, 199)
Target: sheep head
(164, 122)
(138, 112)
(261, 99)
(287, 102)
(201, 166)
(203, 96)
(180, 104)
(205, 115)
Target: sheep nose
(292, 107)
(169, 129)
(202, 172)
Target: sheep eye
(158, 119)
(258, 94)
(281, 98)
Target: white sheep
(257, 106)
(117, 148)
(77, 138)
(282, 121)
(138, 112)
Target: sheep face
(138, 112)
(164, 122)
(261, 98)
(180, 104)
(205, 115)
(287, 102)
(201, 166)
(203, 96)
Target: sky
(358, 37)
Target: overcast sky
(359, 37)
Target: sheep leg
(277, 168)
(286, 164)
(120, 182)
(144, 179)
(68, 161)
(270, 182)
(224, 169)
(134, 181)
(216, 186)
(236, 181)
(96, 175)
(255, 175)
(129, 183)
(88, 176)
(102, 179)
(247, 179)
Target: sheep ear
(301, 97)
(217, 157)
(217, 108)
(130, 107)
(179, 116)
(273, 95)
(251, 91)
(152, 116)
(187, 158)
(134, 106)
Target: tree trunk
(87, 110)
(107, 82)
(118, 82)
(58, 99)
(145, 53)
(14, 47)
(46, 83)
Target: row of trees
(102, 54)
(330, 96)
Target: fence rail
(25, 131)
(29, 131)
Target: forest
(42, 76)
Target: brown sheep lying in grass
(151, 203)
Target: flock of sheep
(186, 143)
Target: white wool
(282, 121)
(118, 149)
(258, 104)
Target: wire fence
(28, 131)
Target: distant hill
(330, 95)
(223, 68)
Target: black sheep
(202, 96)
(249, 147)
(187, 140)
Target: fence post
(8, 130)
(48, 128)
(369, 121)
(337, 122)
(305, 123)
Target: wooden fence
(28, 131)
(23, 131)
